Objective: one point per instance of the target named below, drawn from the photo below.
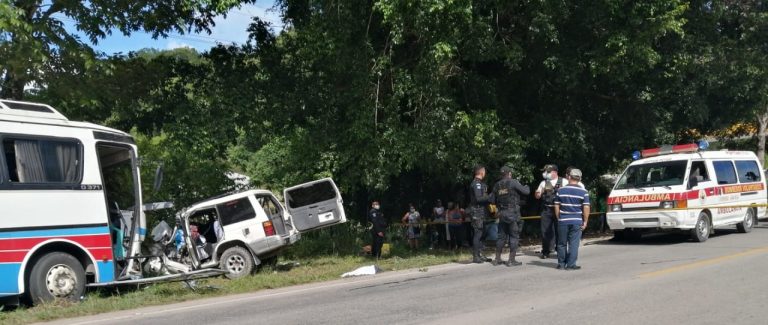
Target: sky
(231, 29)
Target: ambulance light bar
(667, 149)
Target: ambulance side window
(748, 171)
(698, 168)
(725, 172)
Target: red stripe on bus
(27, 243)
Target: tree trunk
(762, 122)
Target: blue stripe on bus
(55, 232)
(9, 276)
(142, 231)
(106, 271)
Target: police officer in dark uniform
(546, 192)
(479, 199)
(376, 217)
(506, 193)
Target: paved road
(661, 280)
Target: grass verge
(310, 270)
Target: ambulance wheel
(237, 261)
(746, 225)
(700, 233)
(56, 275)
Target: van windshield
(668, 173)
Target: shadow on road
(670, 238)
(541, 263)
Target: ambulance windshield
(665, 174)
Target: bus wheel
(237, 261)
(746, 225)
(56, 275)
(700, 233)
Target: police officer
(376, 217)
(479, 199)
(506, 193)
(546, 192)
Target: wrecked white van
(238, 232)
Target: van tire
(237, 261)
(56, 275)
(748, 223)
(700, 233)
(618, 235)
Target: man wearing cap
(572, 211)
(546, 193)
(478, 210)
(506, 193)
(376, 217)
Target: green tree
(34, 36)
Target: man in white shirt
(547, 192)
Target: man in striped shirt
(572, 212)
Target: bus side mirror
(693, 182)
(158, 178)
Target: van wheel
(746, 225)
(56, 275)
(618, 235)
(700, 233)
(237, 261)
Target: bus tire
(56, 275)
(700, 233)
(237, 261)
(748, 223)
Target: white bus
(71, 204)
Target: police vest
(550, 192)
(505, 196)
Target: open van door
(315, 205)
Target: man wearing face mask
(376, 217)
(479, 199)
(547, 192)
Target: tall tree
(34, 33)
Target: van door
(315, 205)
(728, 195)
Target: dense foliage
(398, 99)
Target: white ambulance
(683, 187)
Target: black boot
(512, 261)
(497, 260)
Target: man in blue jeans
(572, 212)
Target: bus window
(35, 161)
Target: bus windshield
(668, 173)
